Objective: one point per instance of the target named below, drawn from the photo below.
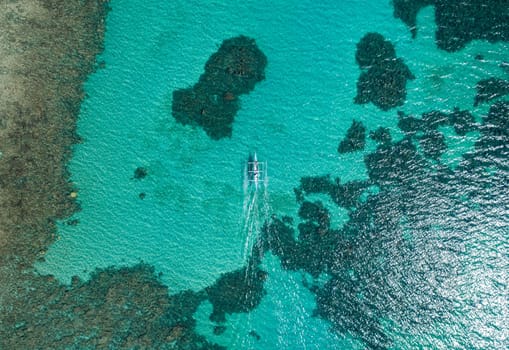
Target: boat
(256, 171)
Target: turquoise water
(191, 224)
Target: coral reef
(140, 173)
(462, 121)
(433, 144)
(236, 291)
(415, 213)
(381, 135)
(124, 308)
(397, 223)
(373, 49)
(355, 138)
(407, 11)
(459, 22)
(315, 184)
(489, 89)
(213, 101)
(384, 81)
(42, 90)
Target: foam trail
(256, 209)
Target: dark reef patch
(407, 11)
(491, 88)
(462, 122)
(355, 138)
(346, 195)
(236, 291)
(384, 81)
(420, 210)
(316, 184)
(213, 101)
(433, 144)
(255, 335)
(140, 173)
(125, 308)
(218, 330)
(459, 22)
(381, 135)
(373, 49)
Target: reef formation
(237, 291)
(355, 138)
(397, 213)
(489, 89)
(459, 22)
(213, 101)
(39, 103)
(383, 81)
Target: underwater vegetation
(397, 223)
(407, 11)
(489, 89)
(237, 291)
(459, 22)
(140, 173)
(121, 308)
(381, 135)
(384, 77)
(355, 138)
(213, 101)
(124, 308)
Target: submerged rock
(213, 102)
(140, 173)
(381, 135)
(373, 49)
(459, 22)
(236, 291)
(355, 138)
(384, 82)
(489, 89)
(433, 144)
(407, 11)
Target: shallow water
(195, 222)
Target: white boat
(256, 171)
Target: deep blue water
(195, 222)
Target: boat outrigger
(256, 170)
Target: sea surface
(196, 220)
